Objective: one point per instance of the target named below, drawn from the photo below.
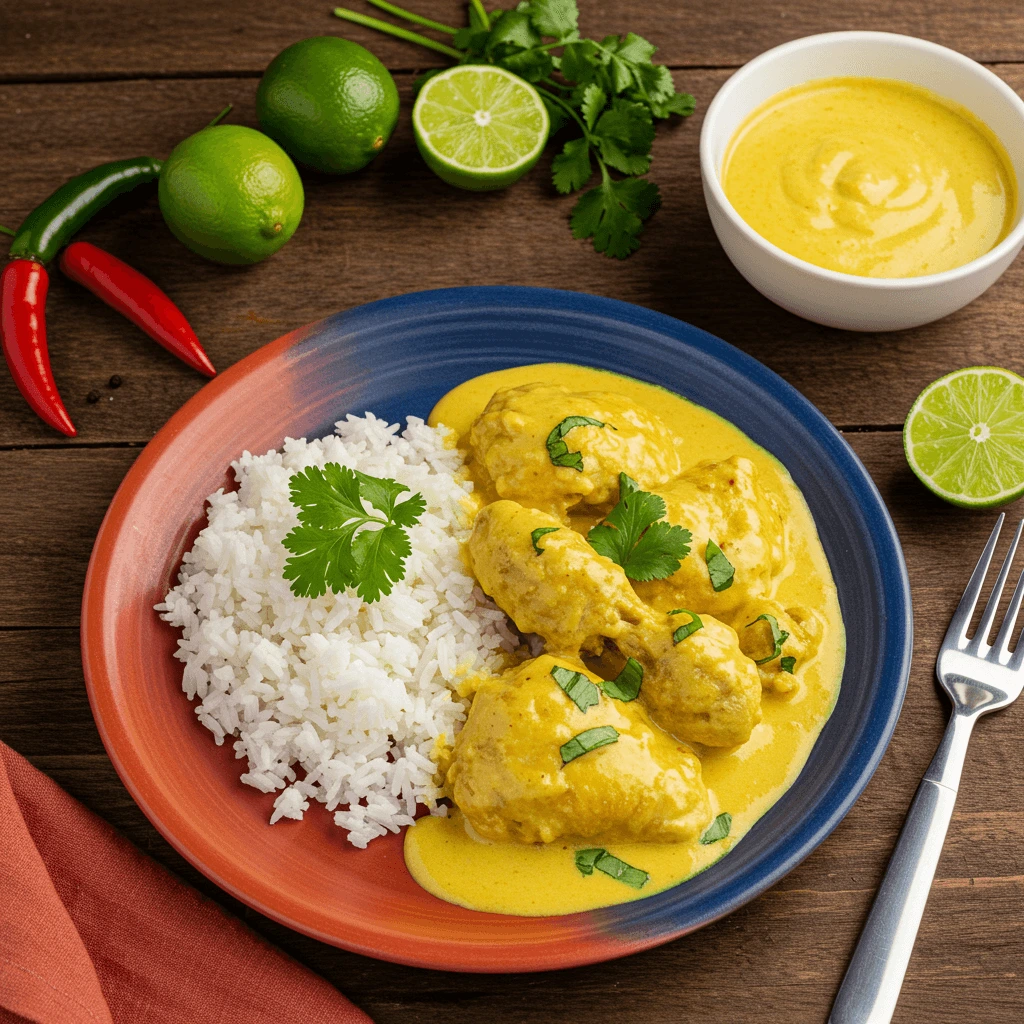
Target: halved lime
(964, 437)
(479, 127)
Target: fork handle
(874, 978)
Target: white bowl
(827, 296)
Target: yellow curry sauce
(536, 879)
(872, 177)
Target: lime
(329, 102)
(231, 194)
(479, 127)
(964, 437)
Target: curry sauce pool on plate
(729, 742)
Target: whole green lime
(231, 194)
(329, 102)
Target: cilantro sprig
(635, 535)
(609, 92)
(334, 546)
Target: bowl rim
(712, 182)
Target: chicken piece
(703, 689)
(723, 502)
(804, 629)
(509, 441)
(508, 779)
(577, 600)
(569, 594)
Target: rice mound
(354, 695)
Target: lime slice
(964, 437)
(479, 127)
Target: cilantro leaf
(578, 688)
(579, 61)
(688, 628)
(621, 871)
(587, 860)
(558, 450)
(626, 685)
(787, 664)
(624, 134)
(512, 28)
(558, 18)
(779, 637)
(627, 485)
(533, 64)
(717, 830)
(635, 536)
(588, 740)
(622, 56)
(571, 169)
(327, 496)
(333, 547)
(613, 214)
(322, 560)
(592, 103)
(538, 533)
(720, 569)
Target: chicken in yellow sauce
(508, 779)
(666, 576)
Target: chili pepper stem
(7, 231)
(399, 33)
(220, 117)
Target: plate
(396, 358)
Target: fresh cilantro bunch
(636, 536)
(607, 93)
(334, 546)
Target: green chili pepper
(50, 226)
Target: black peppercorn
(93, 397)
(115, 381)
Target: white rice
(354, 696)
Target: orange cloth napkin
(92, 931)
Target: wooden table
(85, 83)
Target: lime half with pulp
(964, 437)
(479, 127)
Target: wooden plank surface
(62, 39)
(88, 83)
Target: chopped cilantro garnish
(635, 535)
(788, 664)
(538, 533)
(588, 740)
(718, 829)
(587, 860)
(689, 628)
(558, 450)
(578, 688)
(779, 637)
(330, 547)
(720, 568)
(626, 685)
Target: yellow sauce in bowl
(541, 879)
(871, 176)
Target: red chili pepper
(23, 287)
(133, 295)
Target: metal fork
(979, 678)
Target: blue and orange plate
(396, 358)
